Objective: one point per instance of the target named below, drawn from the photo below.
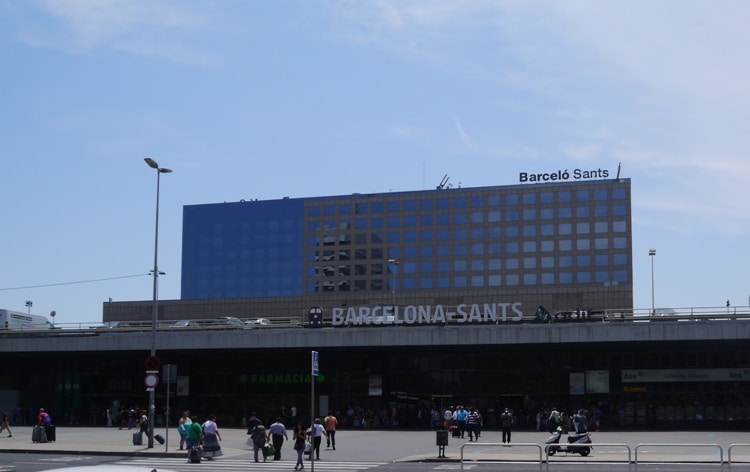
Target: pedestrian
(579, 422)
(211, 439)
(183, 426)
(6, 424)
(194, 435)
(330, 422)
(143, 423)
(472, 424)
(316, 432)
(252, 422)
(259, 438)
(506, 422)
(109, 418)
(299, 437)
(554, 420)
(278, 433)
(459, 416)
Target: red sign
(152, 363)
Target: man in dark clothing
(506, 422)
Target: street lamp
(652, 253)
(393, 281)
(155, 305)
(29, 304)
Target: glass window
(410, 205)
(583, 260)
(601, 277)
(444, 219)
(477, 217)
(410, 252)
(443, 266)
(547, 197)
(548, 245)
(529, 246)
(477, 249)
(529, 198)
(409, 283)
(376, 253)
(529, 262)
(460, 250)
(459, 202)
(477, 233)
(394, 221)
(529, 230)
(601, 243)
(566, 277)
(548, 279)
(425, 220)
(565, 261)
(619, 226)
(564, 212)
(425, 251)
(493, 216)
(329, 210)
(583, 228)
(443, 203)
(410, 236)
(511, 280)
(601, 227)
(583, 244)
(426, 235)
(529, 214)
(618, 210)
(601, 260)
(443, 282)
(582, 212)
(511, 199)
(493, 200)
(620, 243)
(459, 234)
(564, 197)
(621, 276)
(546, 213)
(618, 194)
(511, 215)
(511, 264)
(582, 195)
(620, 259)
(377, 207)
(410, 220)
(547, 230)
(565, 245)
(564, 228)
(600, 194)
(494, 280)
(494, 264)
(426, 204)
(313, 211)
(511, 231)
(548, 262)
(443, 235)
(511, 248)
(360, 238)
(494, 232)
(459, 265)
(583, 277)
(425, 282)
(600, 211)
(529, 279)
(426, 267)
(459, 282)
(394, 237)
(477, 201)
(459, 218)
(443, 251)
(394, 206)
(477, 265)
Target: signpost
(314, 371)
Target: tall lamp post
(155, 305)
(395, 262)
(652, 253)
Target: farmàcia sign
(427, 314)
(563, 175)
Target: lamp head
(151, 163)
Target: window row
(476, 201)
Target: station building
(514, 296)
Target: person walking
(278, 434)
(6, 424)
(259, 438)
(299, 438)
(472, 424)
(330, 422)
(506, 422)
(316, 432)
(183, 426)
(211, 439)
(194, 435)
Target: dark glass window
(547, 197)
(600, 210)
(620, 259)
(583, 261)
(530, 230)
(564, 197)
(410, 236)
(511, 215)
(582, 212)
(493, 200)
(410, 205)
(529, 198)
(426, 204)
(618, 194)
(511, 199)
(459, 218)
(443, 251)
(511, 231)
(477, 249)
(426, 235)
(410, 220)
(443, 203)
(377, 222)
(582, 195)
(394, 206)
(565, 261)
(511, 248)
(459, 202)
(477, 201)
(546, 213)
(494, 232)
(443, 266)
(394, 221)
(583, 277)
(477, 233)
(600, 194)
(329, 210)
(425, 251)
(564, 212)
(459, 234)
(566, 277)
(477, 217)
(394, 237)
(618, 210)
(443, 234)
(529, 214)
(425, 220)
(601, 260)
(493, 216)
(444, 219)
(460, 250)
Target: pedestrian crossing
(229, 465)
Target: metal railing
(675, 445)
(599, 446)
(729, 452)
(478, 444)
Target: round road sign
(152, 363)
(151, 380)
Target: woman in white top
(211, 438)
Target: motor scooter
(576, 443)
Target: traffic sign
(151, 380)
(152, 363)
(315, 359)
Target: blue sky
(267, 99)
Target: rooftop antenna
(443, 182)
(619, 165)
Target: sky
(267, 99)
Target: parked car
(258, 322)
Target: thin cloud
(461, 133)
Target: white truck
(17, 321)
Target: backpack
(258, 435)
(47, 419)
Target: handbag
(269, 450)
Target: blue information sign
(315, 363)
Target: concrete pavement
(401, 445)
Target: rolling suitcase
(137, 438)
(194, 455)
(159, 438)
(38, 435)
(51, 433)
